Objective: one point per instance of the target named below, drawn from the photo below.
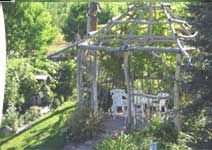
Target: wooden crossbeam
(128, 39)
(169, 21)
(159, 37)
(142, 21)
(188, 36)
(154, 6)
(109, 24)
(138, 41)
(64, 49)
(130, 48)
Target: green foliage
(76, 21)
(20, 82)
(163, 133)
(77, 18)
(197, 112)
(28, 28)
(59, 10)
(32, 114)
(124, 142)
(84, 123)
(66, 78)
(11, 118)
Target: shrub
(32, 114)
(66, 78)
(57, 101)
(11, 118)
(83, 124)
(20, 82)
(161, 132)
(124, 142)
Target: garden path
(111, 127)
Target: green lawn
(43, 135)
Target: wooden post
(2, 60)
(95, 100)
(176, 90)
(79, 74)
(126, 73)
(92, 26)
(177, 71)
(151, 12)
(133, 96)
(79, 70)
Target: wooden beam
(62, 50)
(92, 26)
(174, 33)
(138, 42)
(177, 71)
(94, 84)
(127, 80)
(125, 36)
(79, 74)
(188, 36)
(109, 25)
(138, 7)
(142, 22)
(151, 13)
(176, 91)
(116, 49)
(132, 30)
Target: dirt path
(111, 127)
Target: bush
(20, 82)
(124, 142)
(57, 101)
(83, 124)
(66, 78)
(163, 133)
(32, 114)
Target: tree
(29, 28)
(2, 60)
(76, 20)
(199, 87)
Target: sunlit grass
(45, 133)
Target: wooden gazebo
(141, 19)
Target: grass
(45, 133)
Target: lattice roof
(140, 28)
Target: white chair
(119, 100)
(162, 102)
(137, 97)
(113, 91)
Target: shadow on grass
(40, 121)
(54, 141)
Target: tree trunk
(2, 60)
